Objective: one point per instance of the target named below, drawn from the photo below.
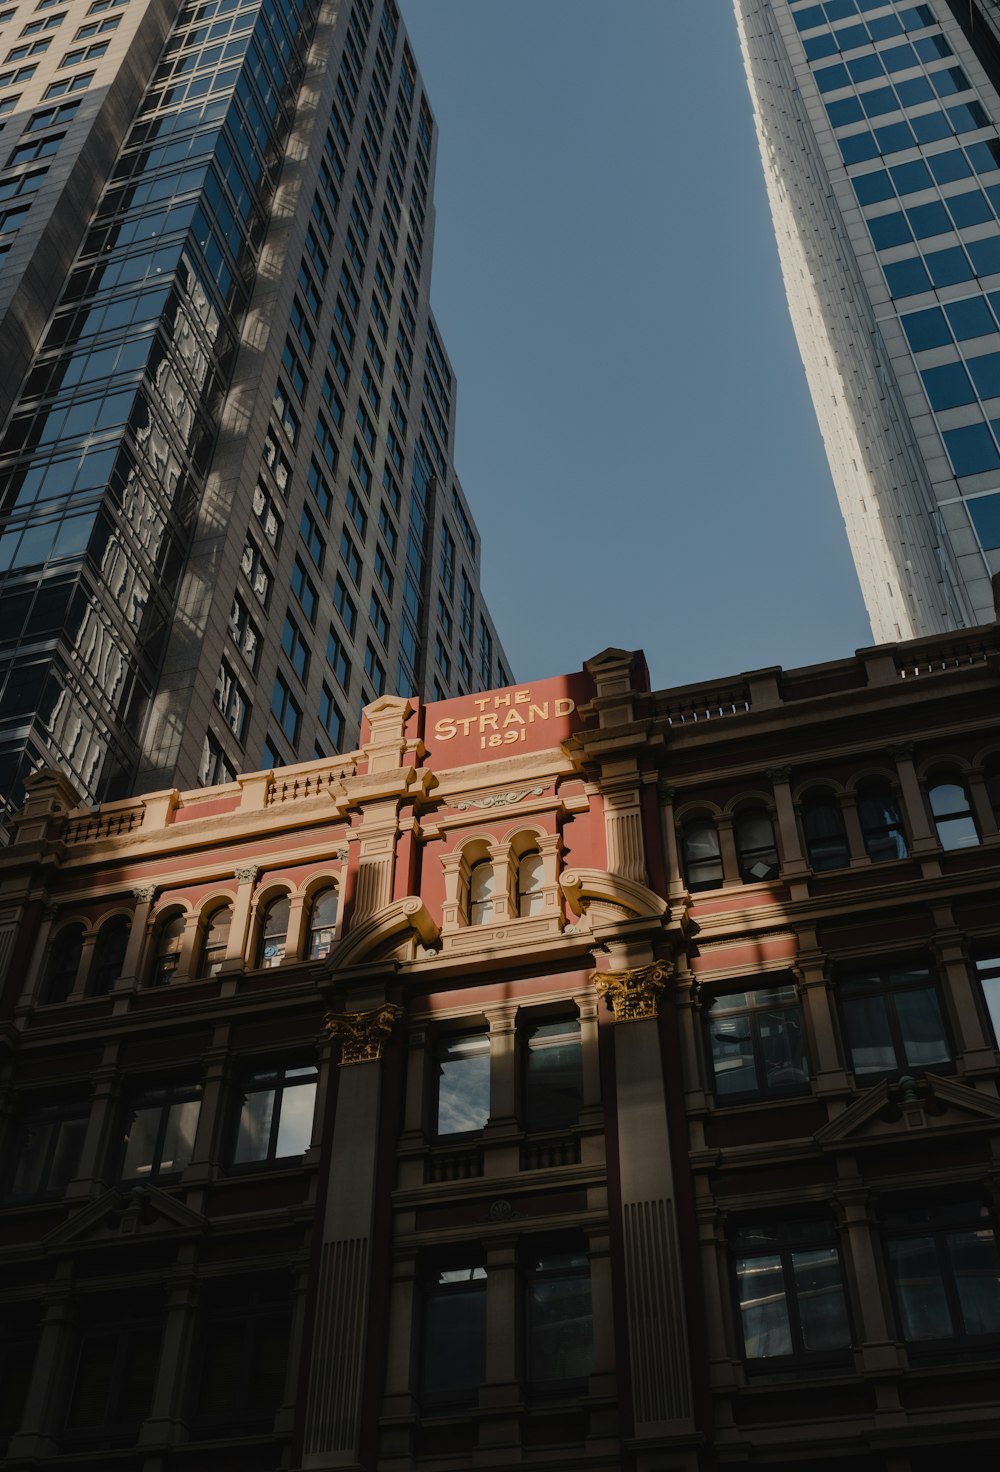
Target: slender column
(714, 1261)
(217, 1073)
(878, 1349)
(285, 1421)
(654, 1309)
(818, 1017)
(504, 882)
(852, 827)
(399, 1405)
(676, 885)
(295, 937)
(36, 968)
(144, 895)
(236, 950)
(792, 861)
(41, 1405)
(689, 1027)
(602, 1385)
(502, 1158)
(974, 1044)
(413, 1139)
(981, 805)
(924, 839)
(187, 961)
(164, 1422)
(333, 1405)
(94, 1164)
(727, 848)
(500, 1393)
(83, 970)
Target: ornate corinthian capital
(633, 995)
(362, 1033)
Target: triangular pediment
(126, 1212)
(903, 1107)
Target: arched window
(482, 886)
(949, 800)
(109, 955)
(702, 858)
(273, 931)
(64, 963)
(755, 847)
(216, 941)
(823, 825)
(530, 878)
(881, 824)
(169, 938)
(322, 923)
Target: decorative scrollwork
(362, 1034)
(144, 894)
(498, 799)
(633, 996)
(342, 852)
(247, 873)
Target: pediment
(898, 1109)
(393, 932)
(126, 1212)
(611, 896)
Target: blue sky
(634, 432)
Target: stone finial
(362, 1034)
(634, 996)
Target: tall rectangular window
(756, 1044)
(463, 1083)
(276, 1114)
(790, 1291)
(159, 1137)
(553, 1074)
(892, 1021)
(453, 1348)
(558, 1319)
(944, 1264)
(987, 965)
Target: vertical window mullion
(791, 1298)
(943, 1253)
(272, 1143)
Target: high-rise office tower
(230, 516)
(877, 129)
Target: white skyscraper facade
(877, 125)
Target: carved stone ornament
(342, 852)
(144, 894)
(362, 1034)
(498, 799)
(634, 996)
(246, 874)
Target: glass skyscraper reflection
(230, 516)
(877, 125)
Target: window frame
(824, 1236)
(756, 1012)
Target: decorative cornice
(633, 996)
(246, 873)
(144, 894)
(362, 1034)
(499, 799)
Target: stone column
(602, 1388)
(32, 992)
(676, 884)
(236, 958)
(877, 1340)
(217, 1072)
(44, 1401)
(83, 970)
(165, 1424)
(981, 805)
(399, 1403)
(727, 849)
(500, 1392)
(852, 827)
(295, 938)
(923, 836)
(504, 882)
(187, 961)
(792, 862)
(817, 1016)
(623, 825)
(144, 895)
(715, 1268)
(500, 1152)
(973, 1043)
(94, 1164)
(654, 1309)
(413, 1139)
(336, 1380)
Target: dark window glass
(559, 1329)
(910, 177)
(892, 1021)
(169, 938)
(881, 824)
(48, 1146)
(948, 386)
(946, 267)
(216, 941)
(906, 278)
(322, 923)
(926, 329)
(970, 208)
(243, 1347)
(453, 1349)
(463, 1083)
(159, 1138)
(276, 1115)
(702, 856)
(987, 964)
(892, 229)
(118, 1352)
(873, 188)
(971, 449)
(790, 1290)
(823, 825)
(756, 1043)
(553, 1074)
(109, 954)
(64, 963)
(949, 800)
(968, 318)
(926, 220)
(944, 1264)
(755, 846)
(273, 932)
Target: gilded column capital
(633, 995)
(362, 1034)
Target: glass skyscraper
(877, 125)
(230, 516)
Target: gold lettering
(499, 700)
(444, 730)
(565, 706)
(522, 697)
(513, 717)
(465, 722)
(481, 703)
(488, 722)
(541, 711)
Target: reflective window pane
(463, 1092)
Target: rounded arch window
(530, 882)
(273, 932)
(322, 923)
(949, 800)
(482, 888)
(702, 856)
(109, 954)
(64, 963)
(755, 846)
(881, 824)
(213, 952)
(825, 835)
(167, 957)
